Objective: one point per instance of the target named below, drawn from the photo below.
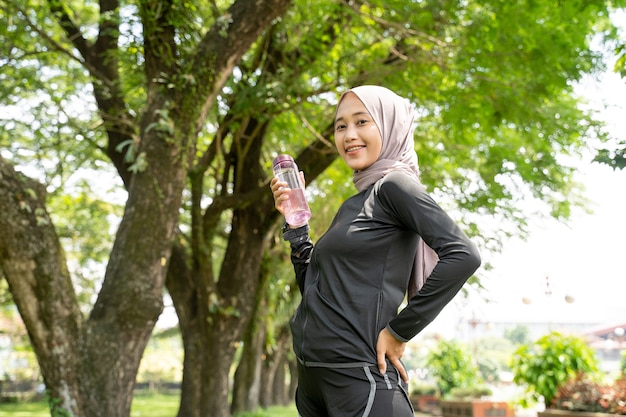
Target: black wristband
(299, 232)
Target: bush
(470, 392)
(549, 362)
(452, 367)
(584, 394)
(424, 389)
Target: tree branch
(33, 263)
(226, 42)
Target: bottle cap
(282, 158)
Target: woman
(348, 335)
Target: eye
(362, 122)
(339, 126)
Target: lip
(354, 148)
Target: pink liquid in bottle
(296, 209)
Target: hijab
(394, 117)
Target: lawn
(143, 406)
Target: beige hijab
(394, 117)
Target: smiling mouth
(354, 148)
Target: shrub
(585, 394)
(470, 392)
(452, 367)
(424, 389)
(548, 362)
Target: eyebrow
(359, 113)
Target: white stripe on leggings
(370, 399)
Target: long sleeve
(301, 249)
(458, 255)
(439, 289)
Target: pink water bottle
(296, 209)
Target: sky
(584, 259)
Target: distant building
(608, 342)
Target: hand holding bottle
(288, 190)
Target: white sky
(585, 258)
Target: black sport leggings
(351, 392)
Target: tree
(180, 86)
(615, 156)
(187, 103)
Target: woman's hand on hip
(391, 348)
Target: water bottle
(296, 209)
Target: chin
(356, 167)
(360, 167)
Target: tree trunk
(209, 354)
(268, 371)
(293, 376)
(213, 318)
(208, 340)
(29, 248)
(279, 388)
(206, 370)
(274, 377)
(247, 382)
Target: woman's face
(357, 136)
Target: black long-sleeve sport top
(355, 279)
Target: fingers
(279, 189)
(276, 184)
(403, 374)
(382, 363)
(388, 347)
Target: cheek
(377, 146)
(376, 141)
(379, 149)
(338, 145)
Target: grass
(143, 406)
(24, 410)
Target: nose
(350, 133)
